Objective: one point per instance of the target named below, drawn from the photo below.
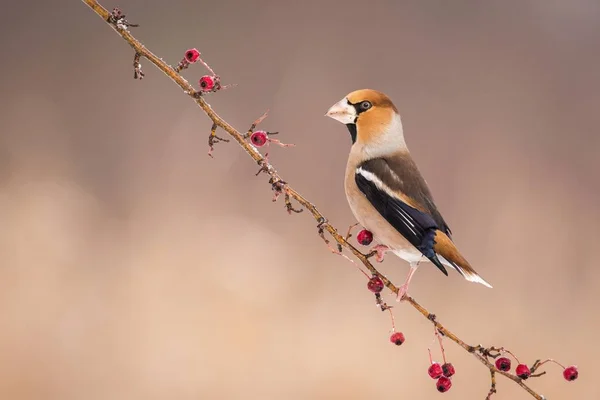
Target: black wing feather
(416, 226)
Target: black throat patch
(352, 129)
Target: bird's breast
(369, 217)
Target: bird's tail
(446, 248)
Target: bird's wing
(396, 189)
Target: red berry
(207, 83)
(571, 373)
(364, 237)
(375, 284)
(259, 138)
(192, 55)
(523, 371)
(443, 384)
(397, 338)
(448, 370)
(435, 370)
(503, 364)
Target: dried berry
(443, 384)
(448, 370)
(259, 138)
(375, 284)
(435, 370)
(523, 371)
(571, 373)
(192, 55)
(503, 364)
(364, 237)
(397, 338)
(207, 83)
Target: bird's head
(371, 117)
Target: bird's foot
(403, 289)
(379, 252)
(402, 292)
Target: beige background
(135, 267)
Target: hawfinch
(386, 192)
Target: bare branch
(116, 19)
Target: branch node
(137, 67)
(289, 207)
(214, 139)
(381, 304)
(278, 186)
(117, 18)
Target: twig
(120, 25)
(492, 385)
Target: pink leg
(381, 249)
(403, 289)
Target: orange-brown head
(372, 119)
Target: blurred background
(133, 266)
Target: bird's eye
(365, 105)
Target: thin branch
(492, 385)
(280, 186)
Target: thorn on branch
(137, 67)
(214, 139)
(321, 222)
(264, 165)
(288, 205)
(490, 352)
(117, 18)
(255, 124)
(350, 228)
(384, 307)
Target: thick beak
(342, 112)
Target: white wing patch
(368, 175)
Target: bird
(386, 192)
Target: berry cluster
(442, 373)
(207, 83)
(523, 371)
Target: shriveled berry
(503, 364)
(259, 138)
(571, 373)
(364, 237)
(448, 370)
(435, 370)
(375, 284)
(207, 83)
(192, 55)
(443, 384)
(523, 371)
(397, 338)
